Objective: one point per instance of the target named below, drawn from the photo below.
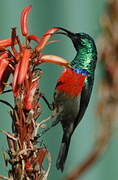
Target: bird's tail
(63, 152)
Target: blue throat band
(80, 71)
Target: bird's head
(84, 44)
(80, 40)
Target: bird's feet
(41, 124)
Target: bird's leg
(50, 106)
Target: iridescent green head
(86, 56)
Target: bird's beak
(72, 36)
(67, 33)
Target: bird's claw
(37, 136)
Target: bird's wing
(84, 101)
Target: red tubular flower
(28, 100)
(23, 20)
(45, 39)
(3, 56)
(34, 38)
(3, 65)
(55, 60)
(23, 66)
(21, 71)
(15, 77)
(4, 70)
(5, 78)
(6, 42)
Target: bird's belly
(69, 107)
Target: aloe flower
(22, 64)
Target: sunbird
(73, 89)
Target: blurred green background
(77, 16)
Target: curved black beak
(68, 33)
(72, 36)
